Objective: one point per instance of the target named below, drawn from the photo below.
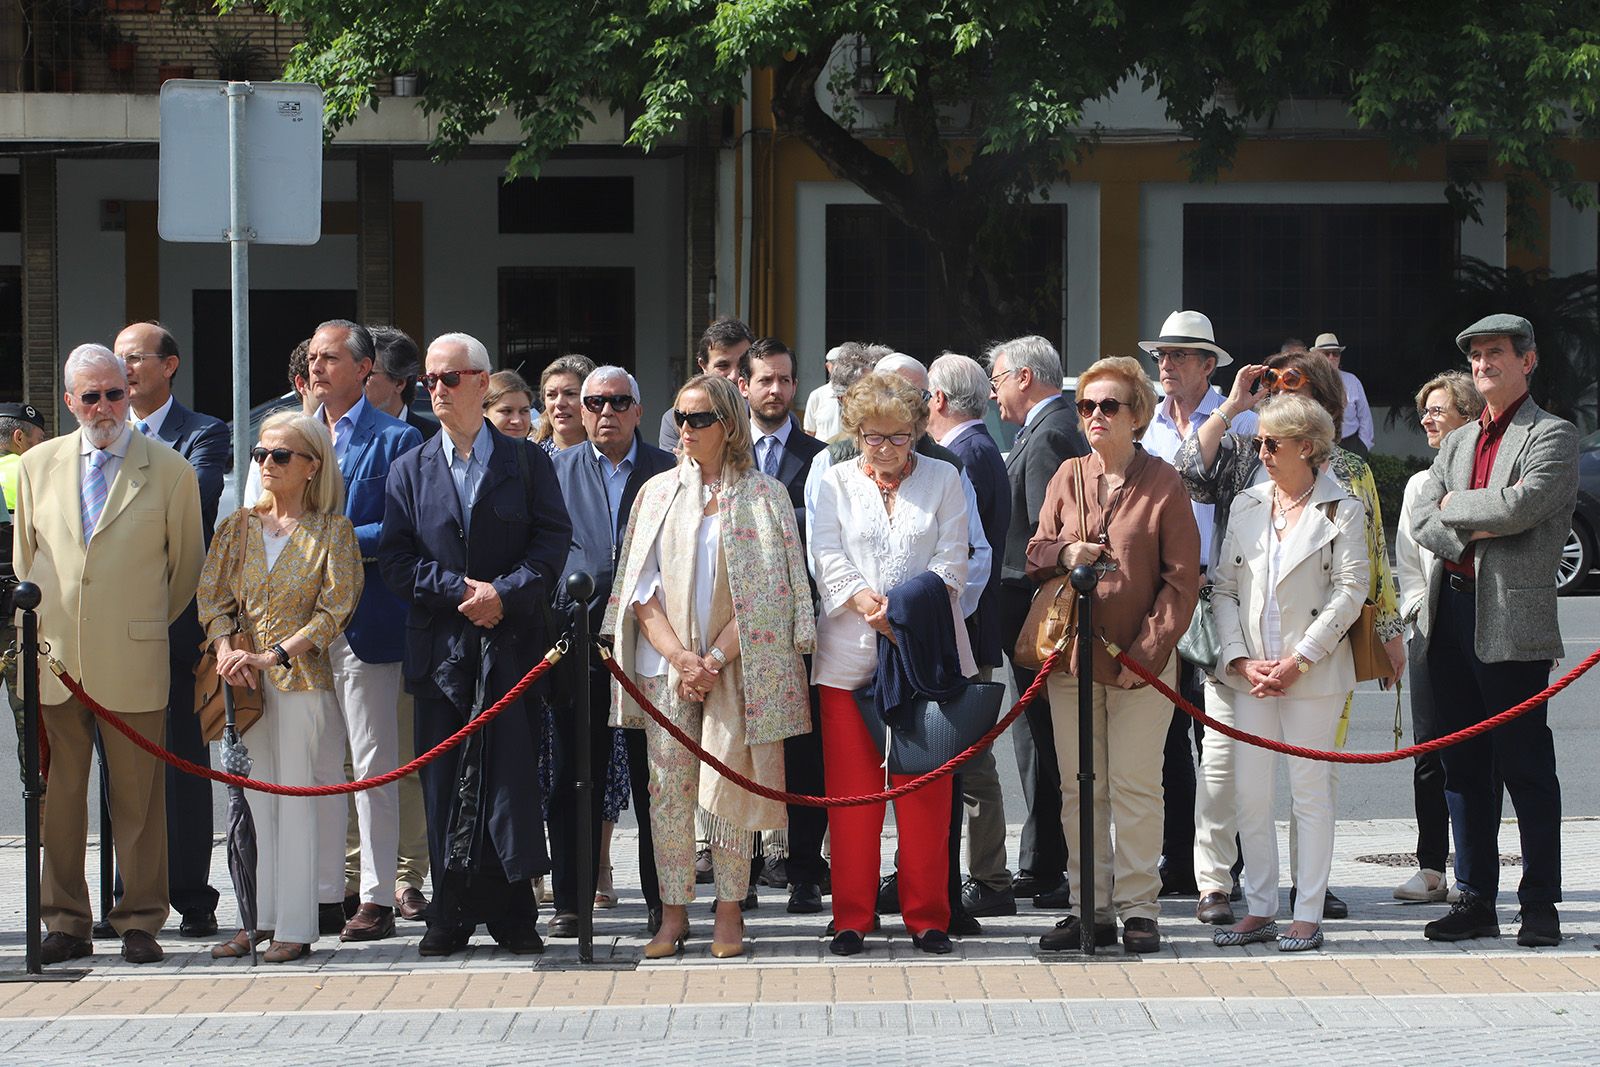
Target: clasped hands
(1267, 677)
(481, 604)
(874, 607)
(239, 666)
(696, 675)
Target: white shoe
(1454, 896)
(542, 892)
(1425, 886)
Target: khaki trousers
(138, 822)
(412, 870)
(1130, 734)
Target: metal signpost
(265, 188)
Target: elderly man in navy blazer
(150, 355)
(474, 540)
(599, 481)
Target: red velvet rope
(801, 799)
(188, 767)
(1361, 757)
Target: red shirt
(1490, 433)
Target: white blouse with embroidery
(854, 543)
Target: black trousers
(802, 767)
(1178, 777)
(562, 804)
(639, 780)
(189, 823)
(1043, 852)
(1427, 771)
(1521, 753)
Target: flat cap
(25, 412)
(1501, 325)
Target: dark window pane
(567, 205)
(10, 333)
(10, 203)
(279, 320)
(547, 312)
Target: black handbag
(928, 733)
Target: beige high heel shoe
(605, 895)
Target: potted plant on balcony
(121, 47)
(236, 56)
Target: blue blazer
(595, 541)
(377, 630)
(987, 469)
(519, 543)
(794, 465)
(203, 441)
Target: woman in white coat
(1291, 578)
(1445, 403)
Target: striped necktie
(95, 491)
(769, 461)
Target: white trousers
(1214, 827)
(1310, 723)
(285, 747)
(368, 697)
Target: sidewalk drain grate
(1409, 859)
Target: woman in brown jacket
(1141, 537)
(287, 573)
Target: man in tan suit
(108, 526)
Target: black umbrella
(241, 824)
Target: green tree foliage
(1013, 79)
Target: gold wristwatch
(1301, 663)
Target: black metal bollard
(580, 587)
(1083, 580)
(27, 598)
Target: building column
(375, 236)
(41, 319)
(1119, 268)
(700, 234)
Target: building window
(1367, 272)
(11, 333)
(279, 320)
(547, 312)
(589, 204)
(883, 283)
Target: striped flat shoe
(1301, 944)
(1232, 938)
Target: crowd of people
(770, 586)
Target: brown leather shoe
(1214, 909)
(60, 947)
(410, 903)
(140, 947)
(371, 922)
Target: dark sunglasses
(281, 457)
(451, 378)
(698, 420)
(1109, 407)
(619, 402)
(1290, 378)
(91, 399)
(1271, 444)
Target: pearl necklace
(1280, 521)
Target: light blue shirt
(616, 480)
(467, 471)
(345, 426)
(1162, 439)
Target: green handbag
(1198, 644)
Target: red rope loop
(1360, 757)
(188, 767)
(801, 799)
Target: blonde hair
(886, 396)
(1127, 370)
(728, 406)
(580, 367)
(325, 491)
(1464, 396)
(1299, 418)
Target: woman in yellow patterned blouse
(287, 573)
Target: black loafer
(933, 942)
(1057, 899)
(564, 924)
(847, 943)
(805, 898)
(198, 924)
(889, 895)
(59, 948)
(523, 940)
(985, 901)
(442, 940)
(1025, 884)
(774, 873)
(1332, 906)
(877, 924)
(963, 924)
(1067, 936)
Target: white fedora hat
(1188, 329)
(1326, 341)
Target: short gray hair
(851, 362)
(84, 357)
(477, 355)
(900, 363)
(357, 339)
(1033, 352)
(962, 381)
(600, 374)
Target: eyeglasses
(280, 457)
(696, 420)
(91, 399)
(619, 402)
(1108, 407)
(1433, 413)
(1290, 379)
(451, 378)
(1171, 355)
(995, 380)
(878, 440)
(133, 359)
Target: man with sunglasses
(1185, 355)
(150, 355)
(718, 352)
(1496, 510)
(474, 539)
(108, 526)
(599, 482)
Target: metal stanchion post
(580, 587)
(27, 598)
(1083, 580)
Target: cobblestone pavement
(1377, 990)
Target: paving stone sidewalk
(1378, 988)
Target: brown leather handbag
(1371, 658)
(1052, 615)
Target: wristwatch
(1301, 663)
(718, 655)
(283, 656)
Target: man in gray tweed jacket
(1496, 511)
